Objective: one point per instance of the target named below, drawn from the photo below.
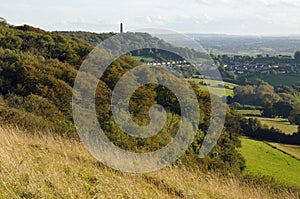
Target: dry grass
(36, 166)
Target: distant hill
(220, 44)
(136, 40)
(151, 53)
(89, 37)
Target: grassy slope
(279, 123)
(214, 86)
(266, 160)
(40, 166)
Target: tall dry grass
(33, 165)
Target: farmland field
(293, 150)
(263, 159)
(146, 59)
(213, 84)
(279, 123)
(250, 112)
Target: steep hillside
(47, 166)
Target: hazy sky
(201, 16)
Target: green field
(250, 112)
(213, 84)
(279, 123)
(292, 150)
(146, 59)
(263, 159)
(280, 79)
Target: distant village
(261, 67)
(240, 65)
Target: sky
(238, 17)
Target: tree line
(253, 128)
(281, 101)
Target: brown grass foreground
(44, 166)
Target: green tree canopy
(3, 21)
(297, 56)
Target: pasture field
(263, 159)
(250, 112)
(279, 123)
(146, 59)
(213, 84)
(292, 150)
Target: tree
(3, 22)
(294, 117)
(297, 119)
(282, 109)
(297, 56)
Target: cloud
(265, 3)
(219, 2)
(276, 3)
(82, 24)
(233, 16)
(151, 20)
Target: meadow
(145, 59)
(36, 165)
(279, 123)
(292, 150)
(214, 88)
(263, 159)
(250, 112)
